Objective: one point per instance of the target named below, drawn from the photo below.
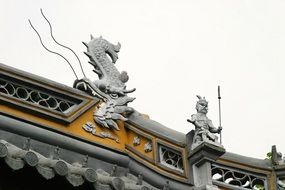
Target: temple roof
(76, 174)
(61, 131)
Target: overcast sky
(172, 51)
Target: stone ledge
(205, 152)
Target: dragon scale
(110, 87)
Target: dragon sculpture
(110, 87)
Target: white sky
(172, 50)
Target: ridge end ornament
(204, 128)
(110, 87)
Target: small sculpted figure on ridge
(204, 128)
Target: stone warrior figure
(204, 128)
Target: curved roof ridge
(139, 120)
(256, 162)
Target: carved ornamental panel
(36, 97)
(229, 177)
(171, 158)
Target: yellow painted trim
(75, 129)
(154, 135)
(139, 150)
